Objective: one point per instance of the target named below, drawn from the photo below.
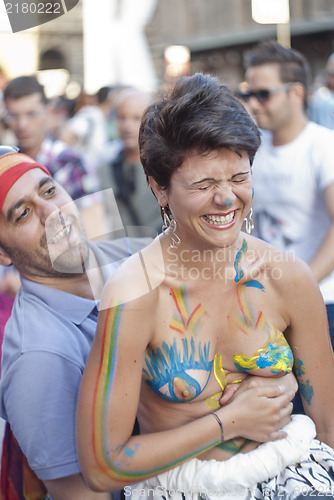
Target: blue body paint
(129, 452)
(166, 369)
(306, 391)
(255, 284)
(299, 367)
(239, 272)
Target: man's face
(40, 229)
(27, 118)
(276, 111)
(129, 115)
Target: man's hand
(287, 381)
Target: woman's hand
(259, 413)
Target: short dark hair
(23, 86)
(293, 66)
(198, 115)
(102, 94)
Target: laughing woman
(198, 332)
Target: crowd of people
(151, 345)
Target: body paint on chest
(239, 274)
(275, 354)
(212, 402)
(171, 369)
(184, 321)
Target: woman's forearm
(108, 467)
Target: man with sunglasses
(293, 169)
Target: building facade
(217, 33)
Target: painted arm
(322, 263)
(109, 455)
(310, 342)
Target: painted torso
(211, 344)
(208, 335)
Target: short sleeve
(40, 396)
(323, 156)
(80, 125)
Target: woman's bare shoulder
(283, 268)
(137, 277)
(265, 251)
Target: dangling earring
(249, 222)
(169, 228)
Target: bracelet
(219, 423)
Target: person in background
(61, 109)
(121, 168)
(213, 309)
(52, 325)
(293, 170)
(6, 135)
(27, 114)
(321, 105)
(87, 131)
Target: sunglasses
(263, 95)
(4, 150)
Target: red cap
(12, 167)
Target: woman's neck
(188, 262)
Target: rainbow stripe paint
(183, 320)
(119, 469)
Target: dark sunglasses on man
(263, 95)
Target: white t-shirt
(289, 204)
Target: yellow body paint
(213, 401)
(274, 353)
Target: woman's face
(209, 196)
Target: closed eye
(241, 177)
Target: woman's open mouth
(219, 220)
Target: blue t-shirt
(46, 344)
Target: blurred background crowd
(98, 66)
